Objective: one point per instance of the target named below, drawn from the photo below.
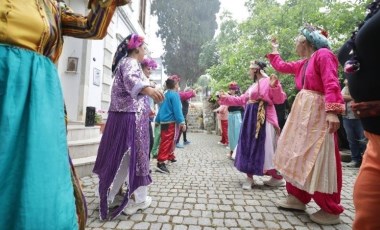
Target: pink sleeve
(284, 67)
(186, 95)
(234, 101)
(277, 95)
(328, 66)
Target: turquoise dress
(36, 187)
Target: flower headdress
(135, 41)
(130, 43)
(175, 78)
(149, 62)
(233, 86)
(316, 36)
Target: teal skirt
(36, 191)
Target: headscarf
(150, 63)
(316, 36)
(130, 43)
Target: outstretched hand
(155, 94)
(273, 81)
(275, 45)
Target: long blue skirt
(234, 125)
(36, 190)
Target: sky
(236, 7)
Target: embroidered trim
(335, 107)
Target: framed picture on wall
(96, 80)
(72, 64)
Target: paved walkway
(204, 191)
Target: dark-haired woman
(307, 154)
(123, 154)
(37, 190)
(257, 141)
(362, 72)
(171, 120)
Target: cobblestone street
(204, 191)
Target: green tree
(184, 26)
(238, 43)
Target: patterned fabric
(125, 95)
(309, 163)
(59, 21)
(317, 37)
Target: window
(142, 13)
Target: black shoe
(173, 161)
(161, 167)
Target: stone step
(83, 166)
(80, 132)
(84, 148)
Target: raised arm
(234, 100)
(95, 24)
(187, 95)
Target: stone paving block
(190, 221)
(177, 219)
(230, 223)
(272, 225)
(218, 222)
(141, 225)
(195, 227)
(151, 218)
(163, 219)
(203, 221)
(180, 227)
(110, 224)
(125, 225)
(167, 227)
(137, 217)
(204, 192)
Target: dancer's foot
(247, 185)
(273, 182)
(291, 202)
(325, 218)
(132, 207)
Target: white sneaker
(247, 185)
(272, 182)
(132, 207)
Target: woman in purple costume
(257, 141)
(123, 155)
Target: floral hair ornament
(233, 86)
(316, 36)
(150, 63)
(135, 41)
(175, 78)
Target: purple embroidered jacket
(128, 83)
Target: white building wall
(79, 88)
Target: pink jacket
(321, 75)
(260, 91)
(222, 112)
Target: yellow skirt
(305, 153)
